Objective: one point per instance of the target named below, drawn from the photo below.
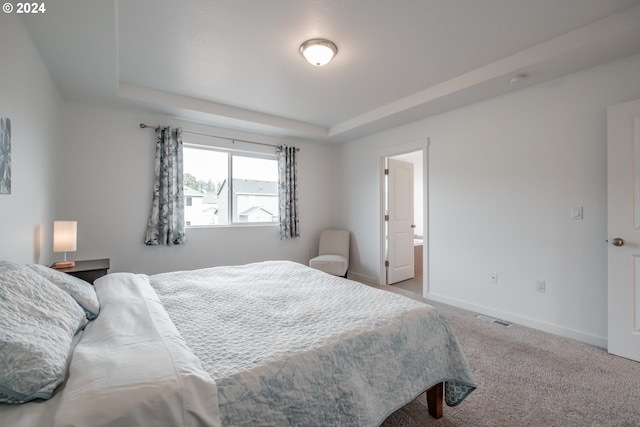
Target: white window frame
(230, 154)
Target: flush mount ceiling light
(318, 51)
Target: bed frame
(434, 400)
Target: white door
(623, 169)
(401, 263)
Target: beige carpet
(530, 378)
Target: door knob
(617, 241)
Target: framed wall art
(5, 155)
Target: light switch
(576, 212)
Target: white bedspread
(289, 345)
(130, 367)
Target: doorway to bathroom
(404, 225)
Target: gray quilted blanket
(291, 346)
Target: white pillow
(80, 290)
(37, 323)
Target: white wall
(95, 165)
(502, 177)
(108, 171)
(30, 99)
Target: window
(223, 187)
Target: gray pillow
(37, 323)
(80, 290)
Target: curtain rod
(233, 140)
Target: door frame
(421, 144)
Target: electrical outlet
(541, 286)
(493, 278)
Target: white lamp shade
(318, 52)
(65, 236)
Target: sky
(210, 164)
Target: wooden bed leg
(434, 400)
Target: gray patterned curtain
(166, 222)
(288, 192)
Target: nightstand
(88, 270)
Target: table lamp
(64, 240)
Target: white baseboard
(524, 321)
(363, 278)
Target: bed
(264, 344)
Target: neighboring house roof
(222, 186)
(190, 192)
(254, 209)
(250, 186)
